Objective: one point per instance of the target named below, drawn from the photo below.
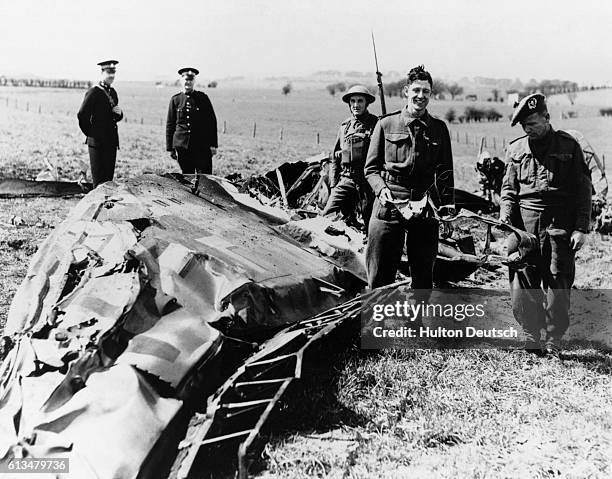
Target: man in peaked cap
(98, 118)
(191, 127)
(349, 186)
(546, 191)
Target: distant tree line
(37, 82)
(473, 114)
(438, 89)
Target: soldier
(350, 188)
(491, 171)
(191, 127)
(546, 191)
(409, 158)
(98, 117)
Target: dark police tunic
(191, 130)
(546, 191)
(350, 188)
(412, 157)
(99, 124)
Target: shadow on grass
(597, 361)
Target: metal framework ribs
(238, 410)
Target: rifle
(381, 92)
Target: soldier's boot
(532, 343)
(552, 348)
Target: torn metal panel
(72, 243)
(86, 428)
(18, 188)
(172, 347)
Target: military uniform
(547, 192)
(98, 123)
(412, 157)
(350, 187)
(191, 130)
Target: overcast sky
(541, 39)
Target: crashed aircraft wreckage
(171, 294)
(149, 287)
(165, 292)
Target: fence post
(458, 140)
(141, 120)
(39, 109)
(318, 138)
(467, 142)
(280, 135)
(224, 127)
(28, 106)
(504, 144)
(494, 144)
(254, 128)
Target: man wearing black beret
(98, 118)
(191, 127)
(546, 191)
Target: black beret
(536, 102)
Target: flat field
(464, 414)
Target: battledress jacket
(352, 140)
(96, 118)
(408, 154)
(558, 178)
(191, 123)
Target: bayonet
(381, 91)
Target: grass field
(465, 414)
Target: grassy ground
(395, 414)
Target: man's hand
(338, 155)
(173, 154)
(213, 151)
(117, 111)
(385, 196)
(504, 219)
(577, 240)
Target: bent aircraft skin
(134, 307)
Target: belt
(399, 179)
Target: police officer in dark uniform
(350, 188)
(547, 192)
(191, 127)
(98, 118)
(409, 157)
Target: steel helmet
(358, 90)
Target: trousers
(348, 197)
(197, 159)
(540, 291)
(388, 234)
(102, 162)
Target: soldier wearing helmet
(350, 189)
(546, 191)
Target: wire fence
(244, 128)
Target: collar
(105, 86)
(408, 118)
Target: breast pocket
(398, 149)
(181, 113)
(525, 170)
(560, 169)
